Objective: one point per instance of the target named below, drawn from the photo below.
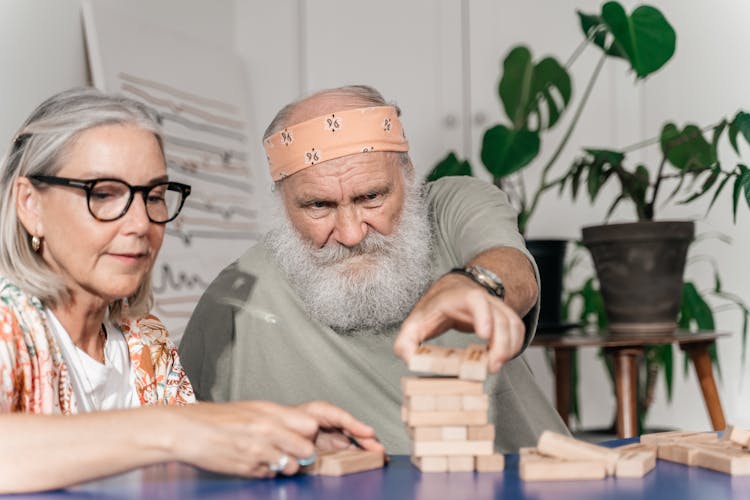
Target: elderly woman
(85, 198)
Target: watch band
(483, 277)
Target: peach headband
(332, 136)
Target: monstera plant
(535, 95)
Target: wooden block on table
(430, 464)
(347, 461)
(681, 453)
(635, 463)
(449, 402)
(481, 432)
(534, 466)
(439, 433)
(437, 386)
(737, 435)
(436, 359)
(457, 463)
(729, 460)
(474, 362)
(684, 436)
(489, 463)
(565, 447)
(636, 447)
(475, 402)
(445, 418)
(451, 448)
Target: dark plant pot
(550, 259)
(640, 267)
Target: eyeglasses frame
(88, 184)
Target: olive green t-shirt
(250, 338)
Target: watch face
(488, 279)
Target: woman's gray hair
(39, 148)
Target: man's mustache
(335, 253)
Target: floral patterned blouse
(35, 379)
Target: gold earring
(35, 243)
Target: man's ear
(28, 207)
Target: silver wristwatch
(484, 277)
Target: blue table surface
(399, 479)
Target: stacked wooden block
(447, 415)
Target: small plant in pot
(535, 95)
(640, 264)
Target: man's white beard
(370, 286)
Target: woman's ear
(28, 207)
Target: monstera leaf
(645, 38)
(450, 165)
(540, 90)
(686, 149)
(505, 151)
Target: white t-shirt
(98, 386)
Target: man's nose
(350, 228)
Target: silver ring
(280, 465)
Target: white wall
(42, 51)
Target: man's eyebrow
(306, 199)
(377, 189)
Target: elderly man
(362, 249)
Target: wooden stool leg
(698, 352)
(563, 365)
(626, 386)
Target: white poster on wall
(197, 93)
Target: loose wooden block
(635, 463)
(460, 464)
(728, 460)
(684, 436)
(421, 402)
(481, 432)
(636, 447)
(449, 402)
(489, 463)
(347, 461)
(451, 448)
(430, 464)
(533, 466)
(436, 359)
(556, 445)
(439, 433)
(437, 386)
(480, 402)
(445, 418)
(737, 435)
(681, 453)
(474, 362)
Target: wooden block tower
(447, 414)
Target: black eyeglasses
(110, 199)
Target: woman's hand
(244, 438)
(338, 429)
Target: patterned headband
(332, 136)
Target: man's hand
(455, 301)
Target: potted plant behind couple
(534, 96)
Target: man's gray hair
(39, 148)
(364, 93)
